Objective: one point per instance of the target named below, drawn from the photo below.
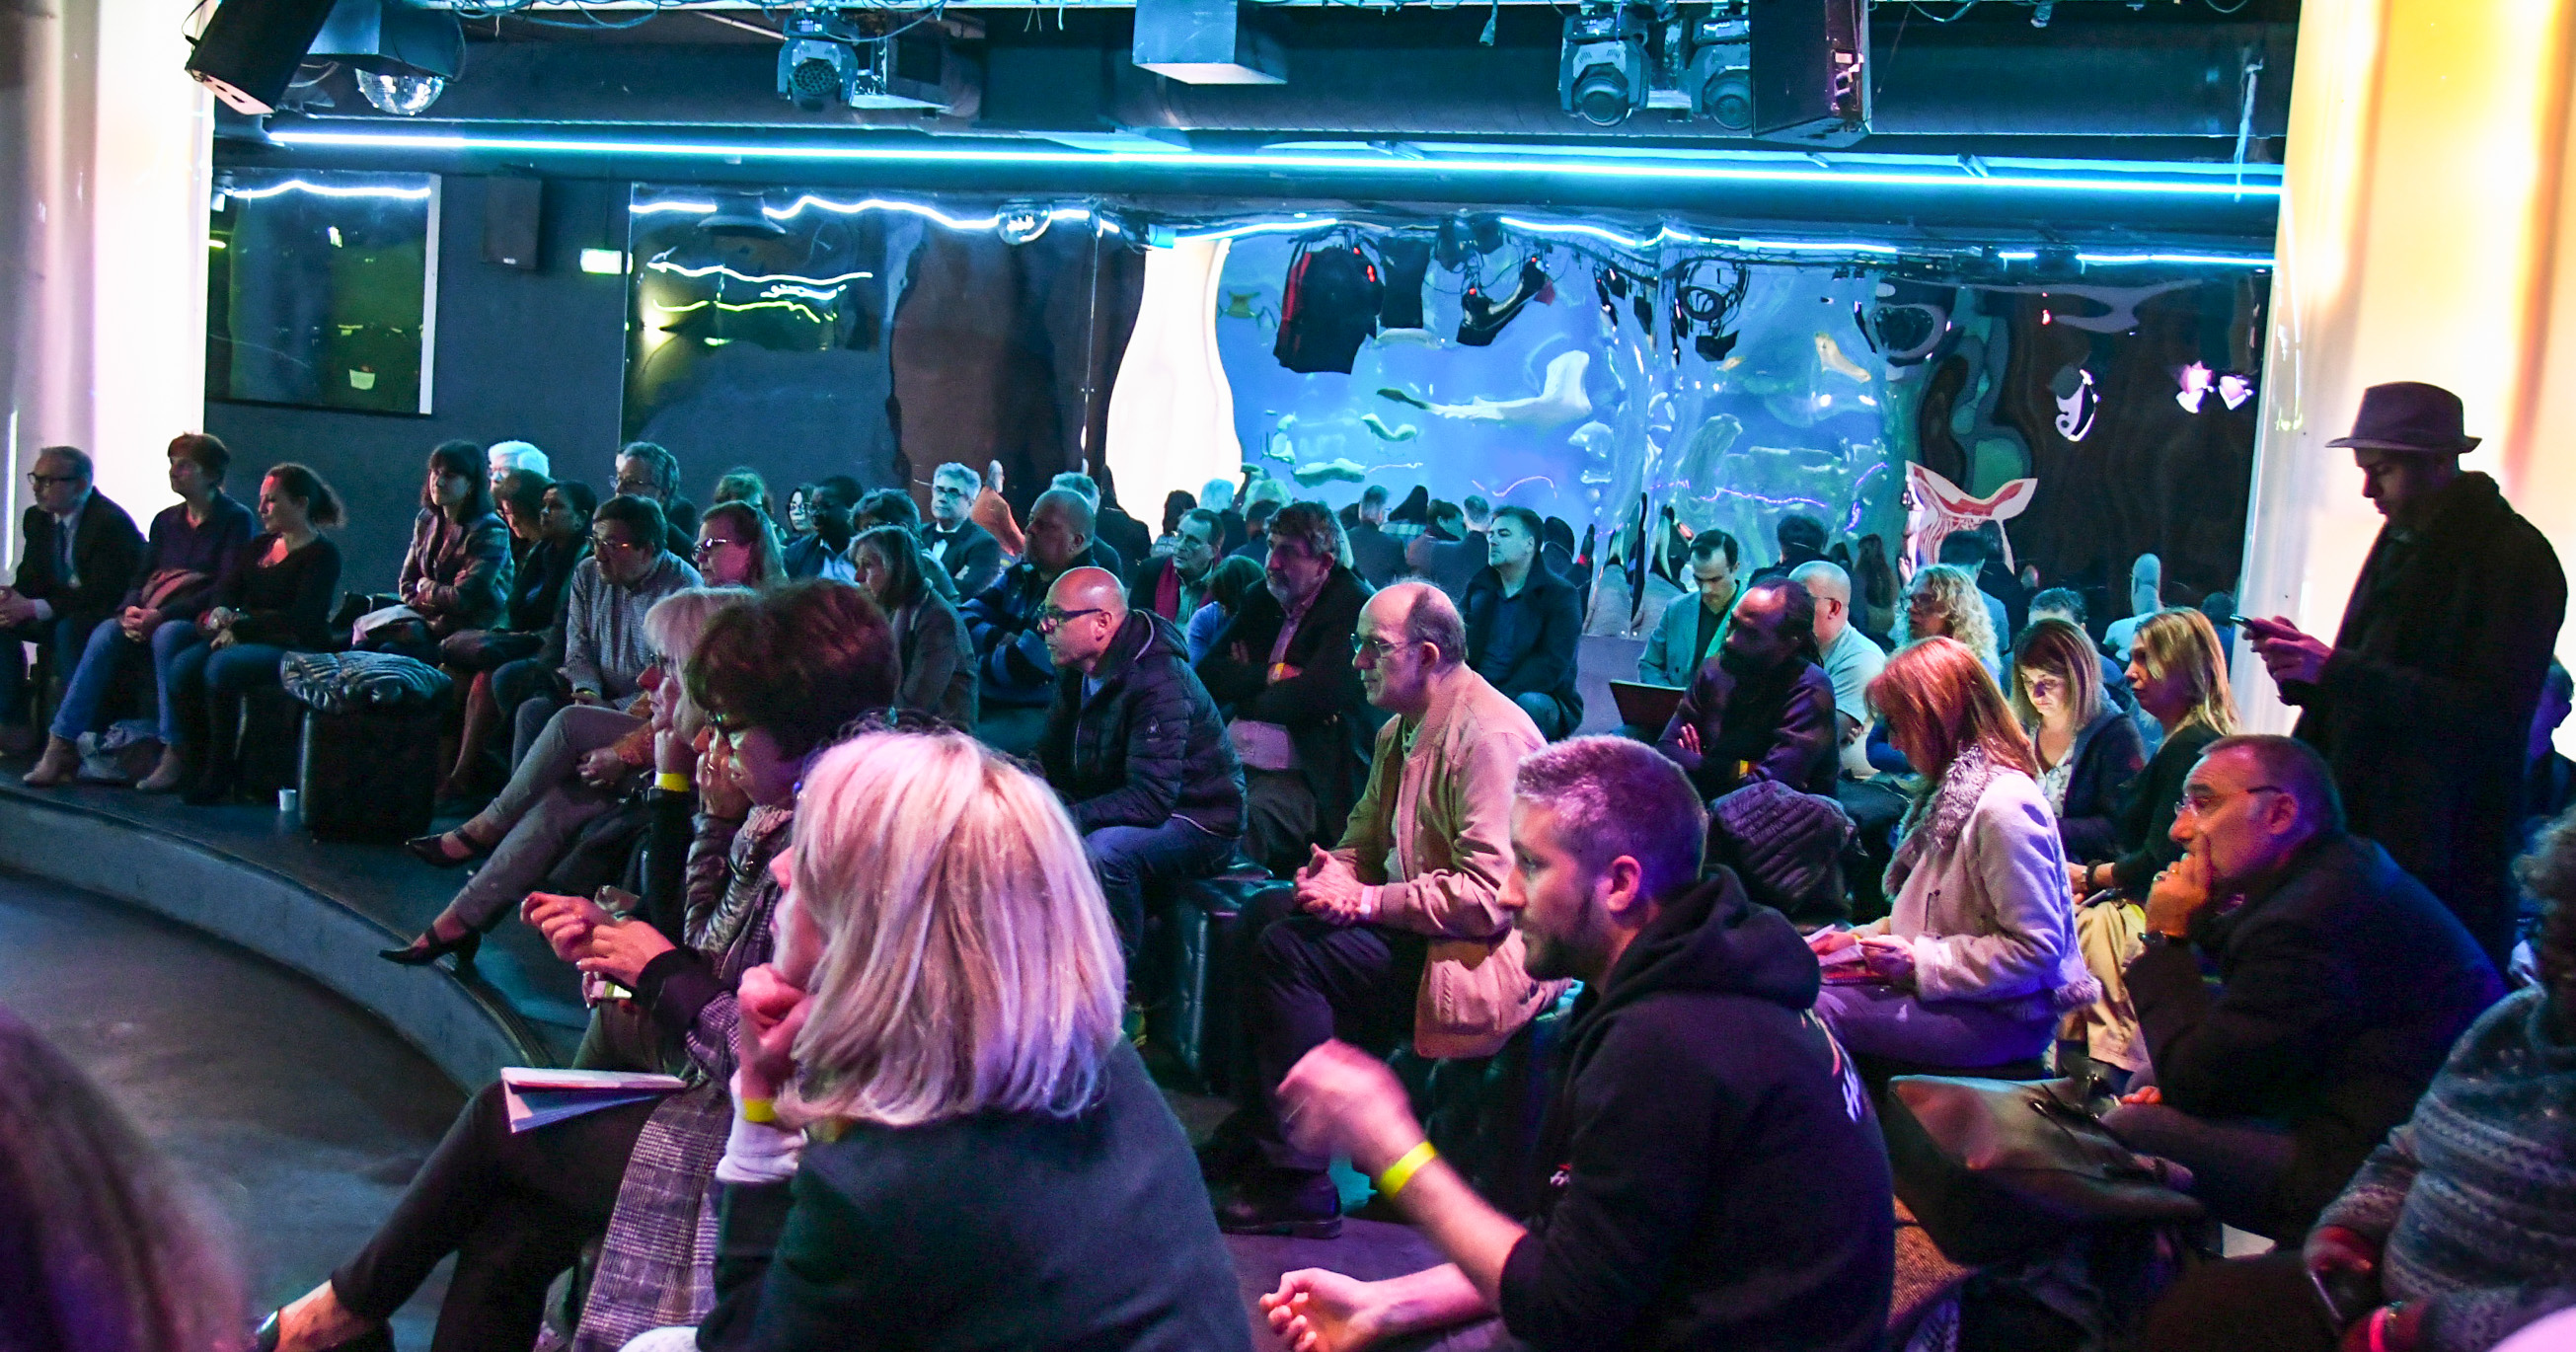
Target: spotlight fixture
(1601, 76)
(869, 61)
(819, 62)
(1720, 80)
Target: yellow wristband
(672, 781)
(1402, 1171)
(760, 1110)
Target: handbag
(1995, 1169)
(168, 585)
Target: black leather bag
(1998, 1168)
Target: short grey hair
(1082, 485)
(953, 470)
(1614, 796)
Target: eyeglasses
(1377, 649)
(603, 543)
(641, 488)
(2200, 802)
(1052, 619)
(49, 480)
(707, 548)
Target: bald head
(1409, 635)
(1089, 589)
(1418, 612)
(1059, 530)
(1831, 588)
(1084, 610)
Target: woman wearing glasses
(738, 547)
(2180, 675)
(930, 636)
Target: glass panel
(321, 288)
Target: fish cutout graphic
(1936, 507)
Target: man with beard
(1764, 709)
(1708, 1174)
(1399, 929)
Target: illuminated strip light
(1198, 161)
(1259, 228)
(326, 190)
(2204, 260)
(1669, 235)
(799, 206)
(748, 279)
(731, 308)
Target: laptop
(1646, 706)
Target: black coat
(1544, 658)
(1323, 707)
(2342, 985)
(1126, 537)
(1011, 659)
(2146, 842)
(1375, 555)
(106, 551)
(1709, 1174)
(2424, 707)
(973, 559)
(1782, 724)
(2108, 756)
(1012, 1230)
(1149, 746)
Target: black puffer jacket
(1149, 745)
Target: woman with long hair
(2179, 673)
(2088, 750)
(1944, 601)
(947, 993)
(738, 547)
(1977, 959)
(929, 635)
(275, 600)
(1874, 587)
(456, 575)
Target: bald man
(1016, 678)
(1134, 745)
(1851, 661)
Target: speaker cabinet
(512, 208)
(250, 49)
(1810, 71)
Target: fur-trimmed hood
(1979, 885)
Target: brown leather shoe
(167, 776)
(60, 763)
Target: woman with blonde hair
(1977, 959)
(2179, 672)
(2088, 751)
(1943, 601)
(943, 1012)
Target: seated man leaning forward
(1763, 709)
(1135, 746)
(2342, 984)
(1399, 929)
(1708, 1174)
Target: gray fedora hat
(2408, 416)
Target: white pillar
(1171, 414)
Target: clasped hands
(1887, 957)
(583, 933)
(138, 622)
(14, 608)
(1329, 890)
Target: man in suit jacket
(825, 552)
(81, 553)
(1689, 634)
(969, 552)
(2342, 984)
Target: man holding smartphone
(2423, 701)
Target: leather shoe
(1300, 1206)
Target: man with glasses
(969, 553)
(1176, 587)
(598, 654)
(1135, 746)
(80, 556)
(825, 553)
(2342, 984)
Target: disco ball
(401, 95)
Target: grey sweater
(604, 645)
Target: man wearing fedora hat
(2423, 701)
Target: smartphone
(2344, 1297)
(617, 901)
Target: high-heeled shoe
(429, 948)
(431, 849)
(377, 1339)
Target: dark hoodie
(1714, 1177)
(1148, 745)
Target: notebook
(1646, 706)
(534, 1098)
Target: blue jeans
(62, 631)
(1129, 857)
(110, 654)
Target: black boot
(217, 774)
(1279, 1202)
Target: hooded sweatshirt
(1713, 1172)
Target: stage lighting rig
(818, 64)
(874, 59)
(1719, 78)
(1602, 73)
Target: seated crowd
(906, 802)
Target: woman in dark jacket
(456, 575)
(961, 1038)
(2089, 752)
(2180, 676)
(929, 634)
(275, 599)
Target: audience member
(1977, 959)
(1400, 928)
(1176, 585)
(1688, 635)
(1943, 601)
(78, 557)
(2342, 983)
(962, 1035)
(2457, 1230)
(1708, 1173)
(2548, 778)
(2064, 603)
(742, 483)
(276, 599)
(1851, 660)
(824, 553)
(193, 543)
(2146, 598)
(604, 651)
(1878, 590)
(457, 574)
(1178, 503)
(1017, 680)
(575, 769)
(2423, 701)
(1407, 522)
(649, 471)
(541, 573)
(1763, 710)
(962, 549)
(1966, 551)
(1523, 624)
(1375, 555)
(1452, 565)
(1802, 541)
(1256, 523)
(1282, 671)
(2088, 753)
(779, 674)
(1123, 535)
(1228, 583)
(2181, 680)
(520, 497)
(738, 547)
(514, 457)
(104, 1246)
(1135, 746)
(931, 646)
(994, 515)
(1218, 496)
(800, 511)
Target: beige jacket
(1433, 830)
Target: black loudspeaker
(250, 49)
(511, 209)
(1811, 71)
